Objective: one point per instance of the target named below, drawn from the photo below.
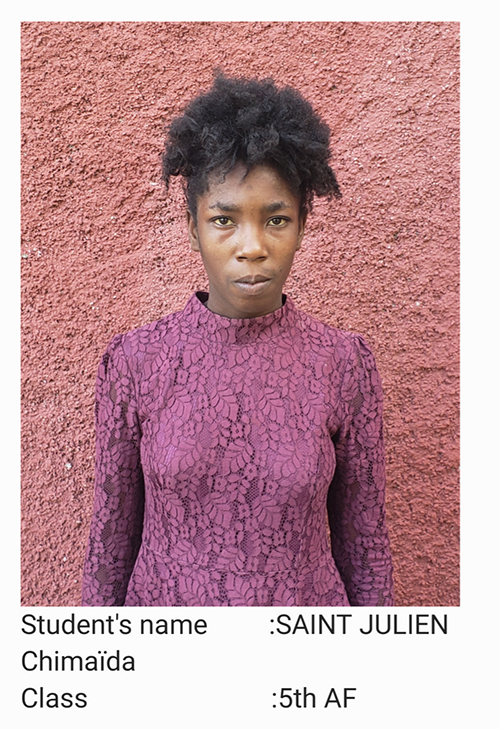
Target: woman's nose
(251, 243)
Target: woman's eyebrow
(231, 208)
(275, 206)
(225, 207)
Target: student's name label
(42, 664)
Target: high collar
(215, 327)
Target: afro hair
(251, 122)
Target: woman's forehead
(241, 182)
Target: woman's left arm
(356, 500)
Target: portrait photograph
(240, 317)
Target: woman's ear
(302, 228)
(193, 231)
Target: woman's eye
(277, 222)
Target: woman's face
(247, 231)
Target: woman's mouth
(252, 284)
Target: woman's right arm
(116, 527)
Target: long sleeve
(116, 527)
(356, 500)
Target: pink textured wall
(104, 250)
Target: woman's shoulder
(343, 352)
(327, 337)
(146, 338)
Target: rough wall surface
(105, 250)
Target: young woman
(240, 456)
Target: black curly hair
(252, 122)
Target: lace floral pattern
(224, 447)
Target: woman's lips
(252, 284)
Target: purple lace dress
(224, 448)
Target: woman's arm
(116, 527)
(356, 500)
